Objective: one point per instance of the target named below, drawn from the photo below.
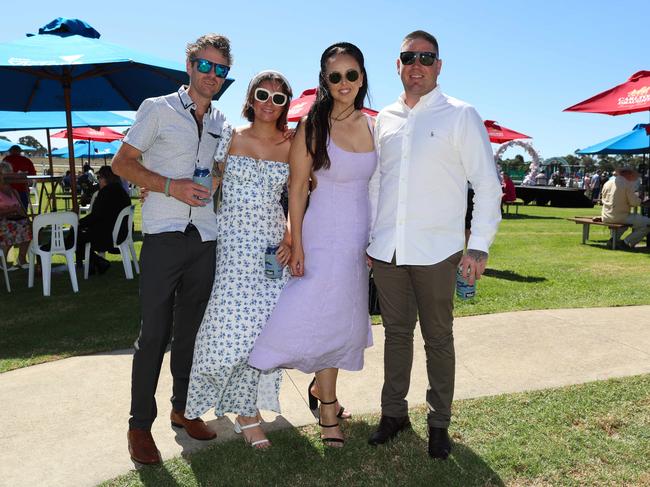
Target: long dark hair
(317, 125)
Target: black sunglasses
(335, 77)
(427, 58)
(204, 66)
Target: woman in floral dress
(15, 228)
(250, 219)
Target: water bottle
(203, 177)
(272, 268)
(464, 290)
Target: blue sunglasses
(204, 66)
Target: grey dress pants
(177, 273)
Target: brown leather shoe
(142, 448)
(196, 428)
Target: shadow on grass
(512, 276)
(521, 216)
(641, 247)
(296, 459)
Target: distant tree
(32, 142)
(572, 160)
(607, 162)
(589, 163)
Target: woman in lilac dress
(320, 323)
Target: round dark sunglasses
(278, 98)
(204, 66)
(427, 58)
(335, 77)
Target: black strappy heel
(313, 403)
(327, 440)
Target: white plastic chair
(126, 247)
(57, 246)
(3, 263)
(33, 204)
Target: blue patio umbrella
(56, 120)
(89, 148)
(5, 145)
(637, 141)
(66, 67)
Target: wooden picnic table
(587, 221)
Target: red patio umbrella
(300, 106)
(629, 97)
(499, 134)
(102, 134)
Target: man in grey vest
(173, 134)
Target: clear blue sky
(518, 62)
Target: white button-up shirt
(418, 193)
(166, 133)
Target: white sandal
(239, 429)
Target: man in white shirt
(173, 135)
(430, 145)
(619, 197)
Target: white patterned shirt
(418, 193)
(166, 133)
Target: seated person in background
(618, 197)
(15, 228)
(541, 179)
(97, 227)
(22, 164)
(508, 187)
(87, 185)
(509, 191)
(66, 181)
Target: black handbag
(373, 297)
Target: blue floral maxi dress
(250, 218)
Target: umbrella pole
(49, 156)
(49, 151)
(68, 124)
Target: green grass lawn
(595, 434)
(536, 262)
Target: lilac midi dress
(321, 319)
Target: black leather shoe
(388, 429)
(439, 443)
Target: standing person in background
(174, 135)
(595, 186)
(430, 145)
(20, 164)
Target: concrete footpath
(64, 423)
